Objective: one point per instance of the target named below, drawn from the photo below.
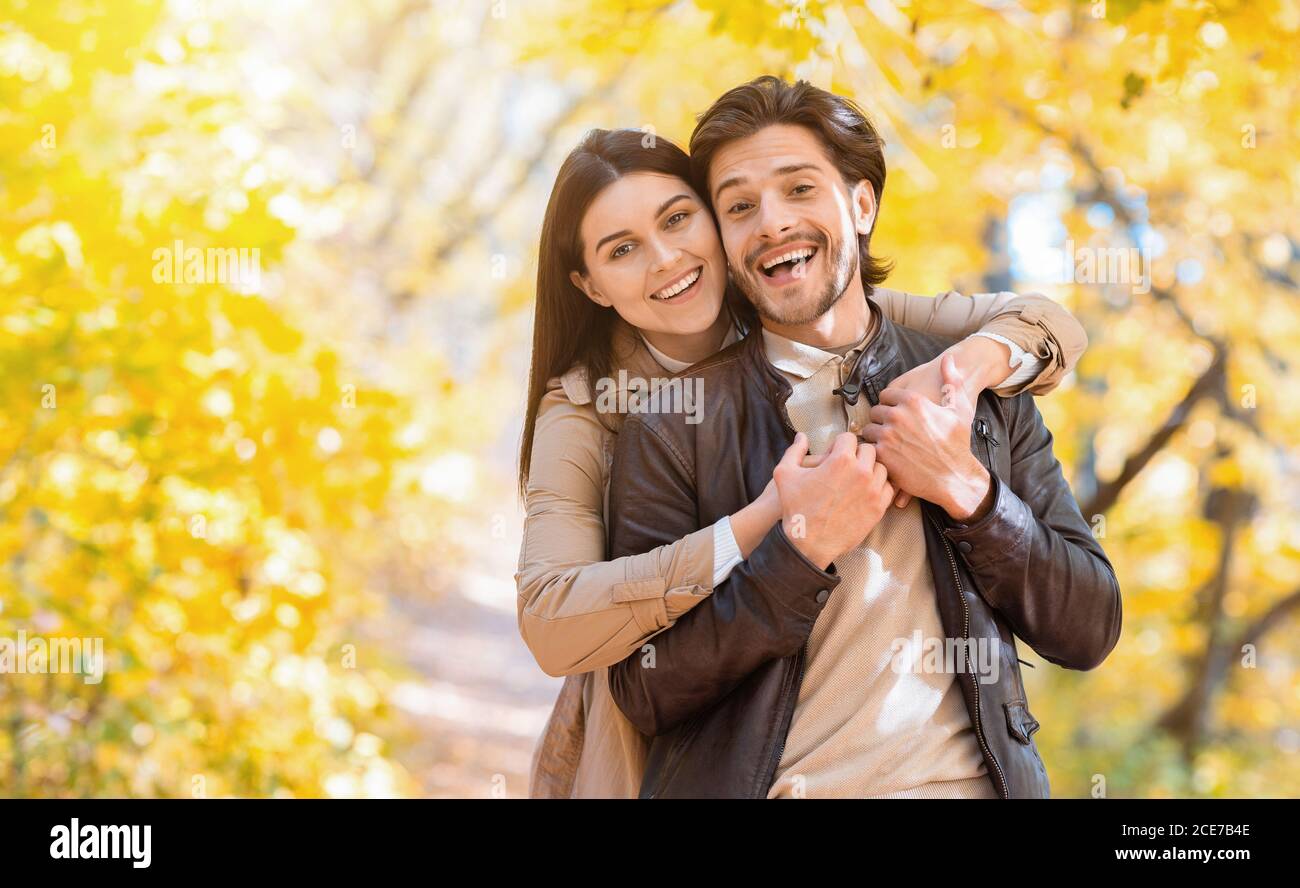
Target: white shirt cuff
(1024, 365)
(726, 553)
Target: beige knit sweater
(866, 725)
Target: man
(808, 672)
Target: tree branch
(1207, 384)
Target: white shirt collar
(802, 360)
(672, 365)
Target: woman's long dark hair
(569, 330)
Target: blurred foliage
(182, 468)
(224, 485)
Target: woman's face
(653, 254)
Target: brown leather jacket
(726, 677)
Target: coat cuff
(1027, 329)
(997, 536)
(785, 574)
(726, 551)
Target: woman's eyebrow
(669, 202)
(609, 237)
(659, 212)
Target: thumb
(954, 382)
(951, 373)
(794, 454)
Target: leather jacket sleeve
(763, 611)
(1035, 559)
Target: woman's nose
(665, 255)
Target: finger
(951, 373)
(881, 413)
(871, 432)
(844, 445)
(795, 451)
(953, 392)
(902, 499)
(813, 460)
(892, 396)
(880, 475)
(867, 458)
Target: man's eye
(739, 207)
(801, 189)
(620, 250)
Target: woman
(621, 212)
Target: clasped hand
(914, 444)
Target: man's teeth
(792, 256)
(670, 292)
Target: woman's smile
(682, 289)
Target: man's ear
(581, 283)
(864, 207)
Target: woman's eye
(620, 250)
(675, 218)
(801, 189)
(739, 207)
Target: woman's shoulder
(567, 408)
(571, 387)
(571, 446)
(630, 358)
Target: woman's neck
(692, 347)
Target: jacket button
(965, 547)
(822, 595)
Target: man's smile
(787, 263)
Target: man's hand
(830, 509)
(926, 446)
(982, 362)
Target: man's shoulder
(917, 347)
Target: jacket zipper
(982, 429)
(965, 630)
(780, 750)
(803, 651)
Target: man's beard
(841, 264)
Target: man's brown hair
(850, 140)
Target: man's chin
(794, 303)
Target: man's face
(789, 222)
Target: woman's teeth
(684, 283)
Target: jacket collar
(629, 353)
(874, 370)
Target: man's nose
(775, 219)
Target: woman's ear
(581, 283)
(864, 207)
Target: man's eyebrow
(780, 171)
(659, 212)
